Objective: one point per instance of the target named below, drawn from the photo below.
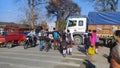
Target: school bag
(68, 38)
(55, 34)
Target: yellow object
(91, 50)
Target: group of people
(90, 40)
(61, 40)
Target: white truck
(77, 27)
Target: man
(56, 38)
(115, 51)
(33, 36)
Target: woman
(93, 38)
(115, 52)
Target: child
(69, 42)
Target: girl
(69, 42)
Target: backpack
(68, 38)
(55, 34)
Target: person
(32, 32)
(47, 40)
(63, 43)
(89, 32)
(41, 38)
(97, 45)
(69, 42)
(86, 42)
(33, 36)
(93, 38)
(56, 38)
(115, 51)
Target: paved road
(17, 57)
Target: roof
(104, 18)
(77, 16)
(10, 24)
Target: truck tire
(77, 40)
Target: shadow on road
(107, 57)
(81, 49)
(88, 64)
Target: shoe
(41, 49)
(70, 53)
(86, 53)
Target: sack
(55, 34)
(91, 50)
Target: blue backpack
(55, 34)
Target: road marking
(19, 65)
(78, 55)
(41, 55)
(37, 60)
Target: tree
(62, 9)
(106, 5)
(31, 10)
(44, 25)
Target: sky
(10, 12)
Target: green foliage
(61, 24)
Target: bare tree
(31, 10)
(32, 5)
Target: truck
(104, 22)
(77, 27)
(11, 36)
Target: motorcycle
(48, 44)
(30, 42)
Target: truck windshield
(72, 23)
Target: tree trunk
(58, 23)
(32, 14)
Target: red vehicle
(11, 36)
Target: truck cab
(77, 27)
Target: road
(17, 57)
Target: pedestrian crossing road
(18, 57)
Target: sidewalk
(99, 60)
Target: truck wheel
(77, 40)
(9, 45)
